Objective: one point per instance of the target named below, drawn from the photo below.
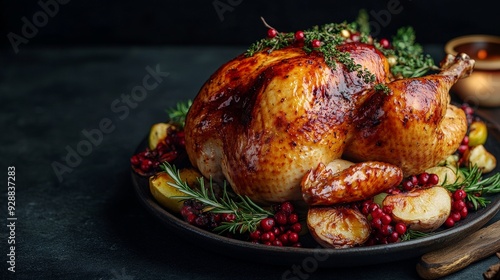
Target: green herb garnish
(178, 114)
(248, 214)
(475, 186)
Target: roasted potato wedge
(167, 195)
(158, 133)
(338, 227)
(484, 160)
(421, 209)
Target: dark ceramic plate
(311, 252)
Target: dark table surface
(84, 220)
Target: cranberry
(355, 37)
(400, 228)
(277, 242)
(284, 238)
(414, 180)
(393, 237)
(287, 207)
(267, 224)
(280, 218)
(386, 230)
(423, 178)
(455, 216)
(464, 212)
(458, 205)
(373, 206)
(293, 218)
(228, 217)
(297, 227)
(134, 160)
(407, 185)
(433, 179)
(385, 219)
(465, 141)
(293, 237)
(271, 33)
(316, 43)
(449, 222)
(459, 194)
(462, 148)
(299, 36)
(385, 43)
(376, 223)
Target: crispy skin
(338, 227)
(358, 182)
(414, 126)
(262, 122)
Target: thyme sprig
(178, 114)
(475, 186)
(408, 59)
(330, 37)
(248, 214)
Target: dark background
(153, 22)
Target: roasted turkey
(263, 122)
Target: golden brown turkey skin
(414, 126)
(262, 122)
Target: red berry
(293, 218)
(134, 160)
(458, 205)
(459, 194)
(373, 206)
(293, 237)
(464, 212)
(462, 148)
(297, 227)
(465, 141)
(299, 36)
(377, 213)
(376, 223)
(386, 230)
(433, 179)
(287, 207)
(407, 185)
(385, 43)
(414, 180)
(280, 218)
(355, 37)
(423, 178)
(255, 235)
(277, 242)
(267, 224)
(316, 43)
(400, 228)
(228, 217)
(455, 216)
(284, 238)
(385, 219)
(449, 222)
(393, 237)
(271, 33)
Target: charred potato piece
(421, 209)
(484, 160)
(338, 227)
(165, 194)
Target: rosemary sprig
(475, 186)
(248, 214)
(178, 114)
(413, 234)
